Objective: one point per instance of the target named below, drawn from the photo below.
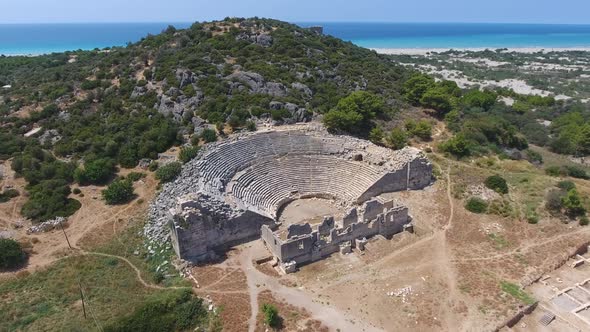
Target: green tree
(416, 86)
(49, 199)
(271, 315)
(583, 140)
(209, 135)
(168, 172)
(11, 254)
(376, 135)
(481, 99)
(422, 128)
(497, 184)
(476, 205)
(97, 171)
(118, 192)
(458, 146)
(187, 153)
(437, 99)
(354, 113)
(453, 120)
(572, 202)
(397, 139)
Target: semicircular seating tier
(262, 171)
(268, 185)
(217, 167)
(236, 186)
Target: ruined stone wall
(196, 235)
(217, 218)
(307, 245)
(394, 221)
(416, 174)
(390, 182)
(420, 175)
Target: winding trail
(137, 271)
(525, 248)
(331, 317)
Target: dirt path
(132, 266)
(524, 248)
(331, 317)
(446, 264)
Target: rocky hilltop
(117, 106)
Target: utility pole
(66, 235)
(82, 297)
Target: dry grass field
(459, 271)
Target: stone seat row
(265, 185)
(229, 158)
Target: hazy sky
(518, 11)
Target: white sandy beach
(423, 51)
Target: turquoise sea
(47, 38)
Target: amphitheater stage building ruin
(235, 190)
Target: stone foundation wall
(217, 216)
(197, 235)
(307, 245)
(415, 175)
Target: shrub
(584, 221)
(397, 139)
(11, 254)
(250, 125)
(153, 166)
(271, 315)
(280, 114)
(566, 185)
(416, 86)
(576, 172)
(118, 192)
(376, 135)
(553, 171)
(168, 172)
(532, 217)
(76, 191)
(8, 194)
(500, 207)
(423, 130)
(208, 135)
(553, 200)
(458, 146)
(534, 157)
(95, 172)
(476, 205)
(164, 311)
(573, 204)
(187, 153)
(497, 184)
(135, 176)
(354, 112)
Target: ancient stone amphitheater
(236, 186)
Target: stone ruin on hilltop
(235, 189)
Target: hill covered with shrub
(119, 105)
(75, 117)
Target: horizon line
(289, 21)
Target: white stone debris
(404, 293)
(48, 225)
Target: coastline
(424, 51)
